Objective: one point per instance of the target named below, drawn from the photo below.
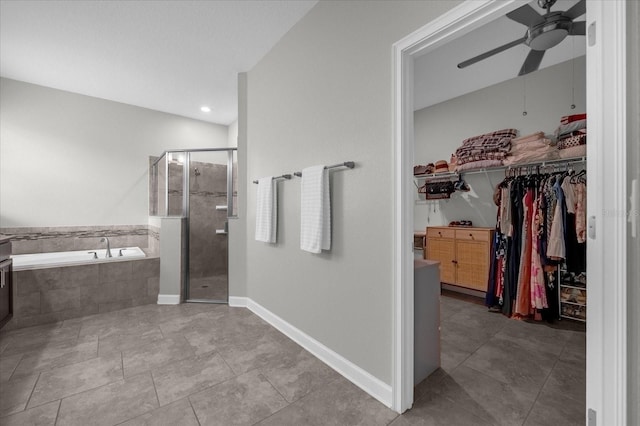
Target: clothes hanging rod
(556, 162)
(348, 164)
(545, 163)
(285, 176)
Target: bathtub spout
(105, 239)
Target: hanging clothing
(537, 225)
(523, 299)
(556, 248)
(581, 213)
(538, 293)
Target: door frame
(606, 251)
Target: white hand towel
(267, 210)
(315, 220)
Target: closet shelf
(572, 303)
(449, 175)
(437, 176)
(573, 318)
(573, 286)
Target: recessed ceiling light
(205, 109)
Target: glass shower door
(210, 182)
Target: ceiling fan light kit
(549, 34)
(543, 32)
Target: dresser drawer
(473, 234)
(440, 233)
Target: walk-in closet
(500, 180)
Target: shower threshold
(219, 302)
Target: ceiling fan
(543, 32)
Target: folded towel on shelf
(527, 150)
(480, 164)
(267, 210)
(533, 137)
(315, 217)
(490, 146)
(541, 143)
(544, 153)
(570, 118)
(565, 129)
(497, 135)
(576, 139)
(574, 151)
(483, 156)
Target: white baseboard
(168, 299)
(365, 381)
(238, 302)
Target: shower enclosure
(200, 185)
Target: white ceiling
(171, 56)
(176, 56)
(437, 77)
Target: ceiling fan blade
(578, 28)
(526, 15)
(576, 10)
(490, 53)
(532, 62)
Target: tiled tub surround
(49, 295)
(153, 247)
(27, 240)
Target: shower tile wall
(175, 189)
(208, 254)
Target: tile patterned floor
(197, 364)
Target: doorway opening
(606, 83)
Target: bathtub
(68, 258)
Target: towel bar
(285, 176)
(348, 164)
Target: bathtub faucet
(105, 239)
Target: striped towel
(315, 220)
(267, 210)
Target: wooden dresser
(464, 254)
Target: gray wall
(68, 159)
(238, 225)
(633, 247)
(441, 128)
(324, 95)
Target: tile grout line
(540, 391)
(32, 391)
(16, 367)
(193, 409)
(155, 389)
(290, 403)
(58, 412)
(260, 372)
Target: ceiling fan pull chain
(524, 95)
(573, 74)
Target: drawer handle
(471, 235)
(454, 261)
